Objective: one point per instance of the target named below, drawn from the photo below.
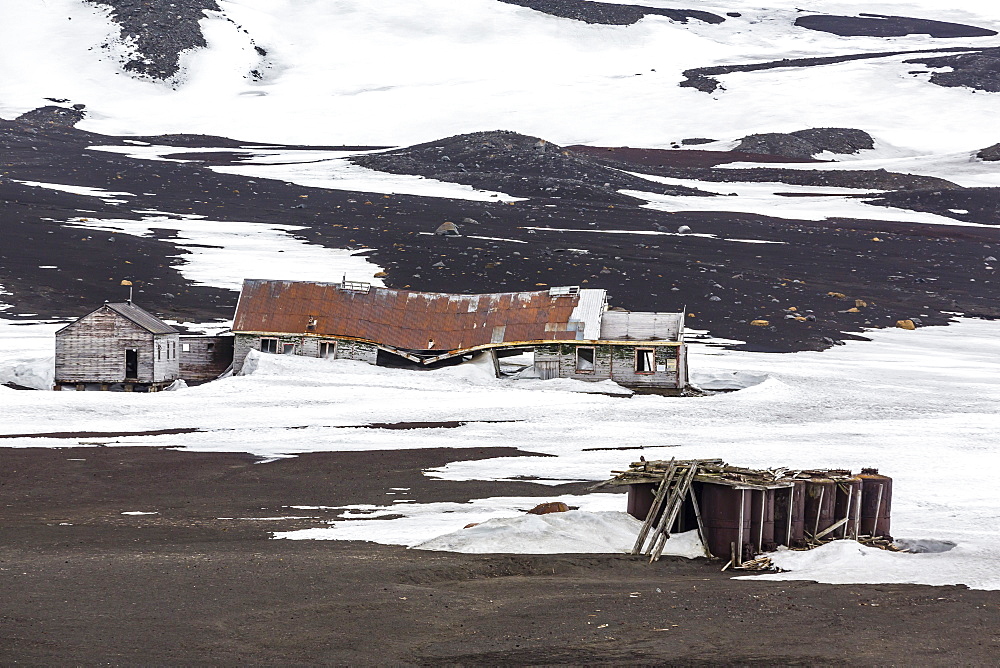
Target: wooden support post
(697, 516)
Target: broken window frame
(592, 362)
(331, 350)
(269, 345)
(647, 366)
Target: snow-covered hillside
(319, 72)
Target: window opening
(287, 348)
(328, 349)
(645, 360)
(209, 347)
(159, 353)
(269, 345)
(186, 347)
(584, 360)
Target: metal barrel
(640, 499)
(762, 520)
(789, 514)
(821, 497)
(876, 503)
(847, 507)
(726, 515)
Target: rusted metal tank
(640, 499)
(821, 497)
(762, 520)
(726, 513)
(876, 503)
(847, 507)
(790, 514)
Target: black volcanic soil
(912, 270)
(878, 25)
(979, 70)
(702, 78)
(518, 165)
(159, 30)
(611, 13)
(84, 584)
(694, 164)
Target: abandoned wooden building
(571, 331)
(117, 346)
(123, 347)
(741, 512)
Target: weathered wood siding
(306, 346)
(206, 357)
(615, 362)
(92, 350)
(166, 358)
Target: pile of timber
(741, 512)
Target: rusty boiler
(640, 499)
(848, 507)
(762, 520)
(790, 514)
(726, 514)
(821, 497)
(876, 503)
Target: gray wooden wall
(206, 357)
(92, 350)
(306, 346)
(616, 362)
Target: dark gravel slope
(911, 271)
(517, 165)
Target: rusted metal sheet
(412, 320)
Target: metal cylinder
(640, 499)
(726, 514)
(821, 497)
(762, 520)
(789, 514)
(876, 503)
(847, 507)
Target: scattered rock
(448, 229)
(760, 323)
(906, 324)
(550, 507)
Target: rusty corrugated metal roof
(414, 320)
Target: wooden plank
(661, 492)
(674, 503)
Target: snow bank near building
(575, 531)
(850, 562)
(38, 374)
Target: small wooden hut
(118, 346)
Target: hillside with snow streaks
(315, 72)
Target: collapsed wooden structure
(571, 330)
(740, 512)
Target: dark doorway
(131, 364)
